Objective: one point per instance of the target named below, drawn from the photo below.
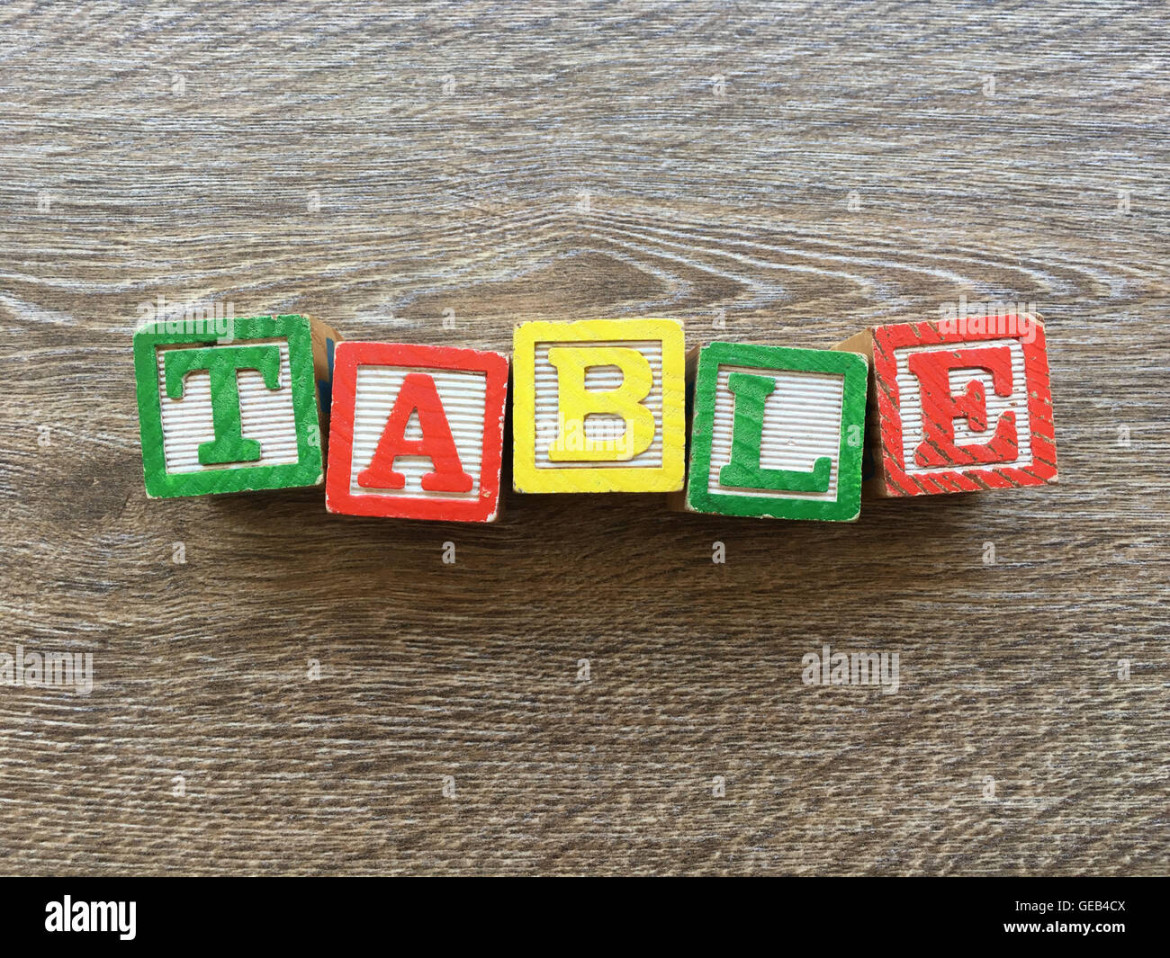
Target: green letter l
(743, 471)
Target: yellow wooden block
(599, 406)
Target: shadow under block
(599, 406)
(417, 432)
(777, 432)
(959, 405)
(232, 413)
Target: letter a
(418, 394)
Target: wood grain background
(381, 166)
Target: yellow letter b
(576, 403)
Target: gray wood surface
(380, 167)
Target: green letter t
(222, 364)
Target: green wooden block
(227, 414)
(777, 432)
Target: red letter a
(418, 392)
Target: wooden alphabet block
(960, 405)
(777, 432)
(599, 406)
(232, 409)
(417, 432)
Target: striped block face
(416, 432)
(228, 414)
(599, 406)
(963, 406)
(777, 432)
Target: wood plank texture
(583, 689)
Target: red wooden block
(961, 405)
(416, 432)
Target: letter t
(222, 364)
